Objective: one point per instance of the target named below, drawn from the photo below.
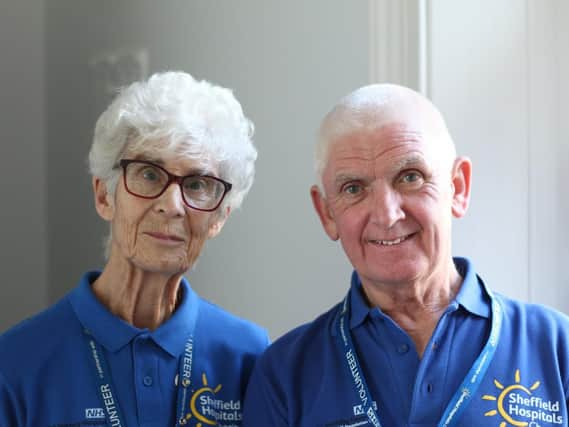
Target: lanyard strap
(475, 375)
(184, 381)
(461, 397)
(105, 387)
(347, 347)
(107, 391)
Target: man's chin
(400, 273)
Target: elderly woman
(133, 345)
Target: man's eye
(411, 177)
(352, 188)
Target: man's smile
(390, 242)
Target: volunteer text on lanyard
(107, 391)
(461, 397)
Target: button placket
(149, 399)
(403, 348)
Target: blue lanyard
(107, 391)
(461, 397)
(105, 387)
(184, 381)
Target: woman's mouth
(165, 237)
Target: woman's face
(161, 235)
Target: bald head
(375, 106)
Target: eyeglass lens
(147, 180)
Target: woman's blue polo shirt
(47, 378)
(302, 379)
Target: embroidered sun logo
(505, 390)
(205, 395)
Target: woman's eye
(195, 185)
(150, 174)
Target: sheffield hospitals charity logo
(518, 405)
(207, 410)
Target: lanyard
(107, 391)
(105, 385)
(463, 394)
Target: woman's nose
(171, 201)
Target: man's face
(389, 198)
(160, 235)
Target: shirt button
(147, 381)
(429, 388)
(402, 349)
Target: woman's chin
(162, 265)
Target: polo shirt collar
(472, 296)
(113, 333)
(358, 303)
(175, 332)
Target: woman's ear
(104, 203)
(218, 223)
(461, 176)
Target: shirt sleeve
(263, 406)
(9, 411)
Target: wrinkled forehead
(386, 151)
(409, 119)
(164, 151)
(389, 142)
(379, 135)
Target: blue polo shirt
(47, 375)
(302, 379)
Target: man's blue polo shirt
(47, 373)
(303, 380)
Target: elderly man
(419, 339)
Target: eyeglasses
(148, 180)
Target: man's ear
(104, 203)
(218, 223)
(461, 176)
(323, 210)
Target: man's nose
(171, 202)
(386, 206)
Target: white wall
(478, 80)
(22, 153)
(495, 69)
(495, 72)
(562, 38)
(547, 47)
(288, 62)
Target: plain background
(494, 69)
